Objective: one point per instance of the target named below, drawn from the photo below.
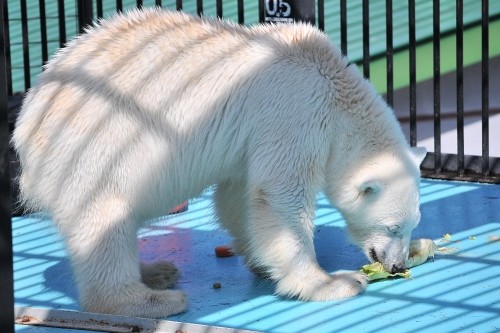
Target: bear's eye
(394, 229)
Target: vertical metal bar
(158, 3)
(366, 39)
(119, 5)
(199, 7)
(460, 86)
(389, 52)
(85, 14)
(437, 87)
(321, 15)
(43, 31)
(241, 12)
(178, 4)
(413, 73)
(99, 9)
(62, 22)
(6, 34)
(26, 49)
(343, 26)
(485, 88)
(218, 5)
(6, 264)
(139, 3)
(261, 11)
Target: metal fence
(58, 20)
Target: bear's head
(381, 205)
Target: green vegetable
(376, 271)
(420, 251)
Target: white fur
(150, 108)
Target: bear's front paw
(340, 285)
(159, 275)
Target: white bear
(152, 107)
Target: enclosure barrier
(436, 165)
(6, 268)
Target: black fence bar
(321, 15)
(485, 87)
(218, 6)
(241, 12)
(119, 5)
(6, 34)
(413, 73)
(85, 14)
(99, 9)
(263, 10)
(139, 4)
(199, 7)
(366, 39)
(460, 86)
(343, 26)
(6, 259)
(62, 22)
(178, 4)
(437, 89)
(26, 49)
(389, 53)
(43, 31)
(158, 3)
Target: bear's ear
(417, 154)
(370, 187)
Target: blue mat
(459, 292)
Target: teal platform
(454, 293)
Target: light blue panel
(454, 293)
(39, 329)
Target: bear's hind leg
(102, 244)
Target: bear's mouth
(373, 255)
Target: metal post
(218, 5)
(26, 48)
(413, 74)
(6, 265)
(366, 39)
(485, 104)
(437, 86)
(321, 15)
(6, 42)
(389, 52)
(460, 87)
(241, 14)
(85, 14)
(199, 7)
(343, 26)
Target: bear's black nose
(398, 269)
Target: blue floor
(454, 293)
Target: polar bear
(152, 107)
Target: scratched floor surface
(454, 293)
